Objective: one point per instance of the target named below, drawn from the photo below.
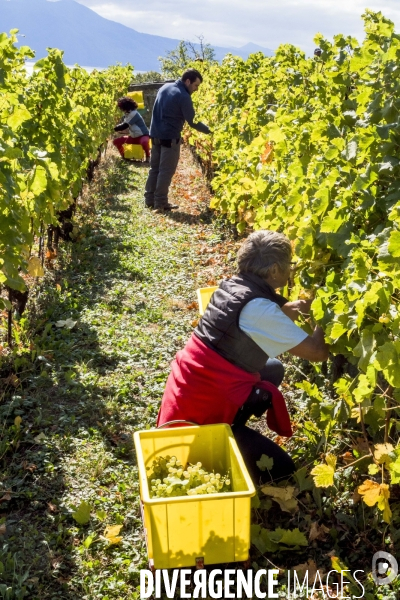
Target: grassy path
(128, 287)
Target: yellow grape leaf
(373, 469)
(214, 202)
(306, 294)
(370, 491)
(331, 460)
(339, 566)
(323, 475)
(17, 422)
(35, 268)
(383, 503)
(376, 493)
(382, 453)
(112, 534)
(355, 414)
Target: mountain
(89, 39)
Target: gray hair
(261, 250)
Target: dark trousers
(163, 163)
(253, 444)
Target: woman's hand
(293, 310)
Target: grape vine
(311, 147)
(52, 125)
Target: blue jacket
(173, 106)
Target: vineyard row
(52, 128)
(311, 147)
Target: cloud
(235, 23)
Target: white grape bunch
(169, 478)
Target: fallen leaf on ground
(362, 446)
(309, 567)
(68, 323)
(347, 457)
(317, 532)
(192, 306)
(51, 254)
(29, 466)
(280, 440)
(283, 496)
(112, 534)
(12, 380)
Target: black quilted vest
(219, 326)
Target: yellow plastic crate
(137, 97)
(133, 151)
(203, 297)
(215, 527)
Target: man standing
(173, 106)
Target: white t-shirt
(269, 327)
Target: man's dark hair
(192, 75)
(126, 103)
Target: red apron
(205, 388)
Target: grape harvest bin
(203, 297)
(187, 530)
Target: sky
(237, 22)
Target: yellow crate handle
(178, 421)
